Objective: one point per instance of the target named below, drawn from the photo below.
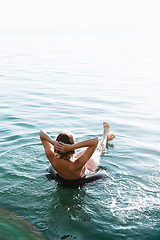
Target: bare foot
(106, 137)
(106, 127)
(110, 137)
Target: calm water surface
(75, 81)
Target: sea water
(73, 81)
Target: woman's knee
(93, 162)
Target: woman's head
(68, 139)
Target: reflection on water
(73, 202)
(66, 208)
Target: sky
(113, 15)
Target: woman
(62, 157)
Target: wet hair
(65, 138)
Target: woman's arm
(83, 159)
(91, 145)
(45, 136)
(63, 147)
(47, 141)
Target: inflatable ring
(99, 174)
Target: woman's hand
(63, 147)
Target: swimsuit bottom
(85, 172)
(90, 178)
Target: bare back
(66, 169)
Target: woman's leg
(95, 159)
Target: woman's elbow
(40, 133)
(96, 141)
